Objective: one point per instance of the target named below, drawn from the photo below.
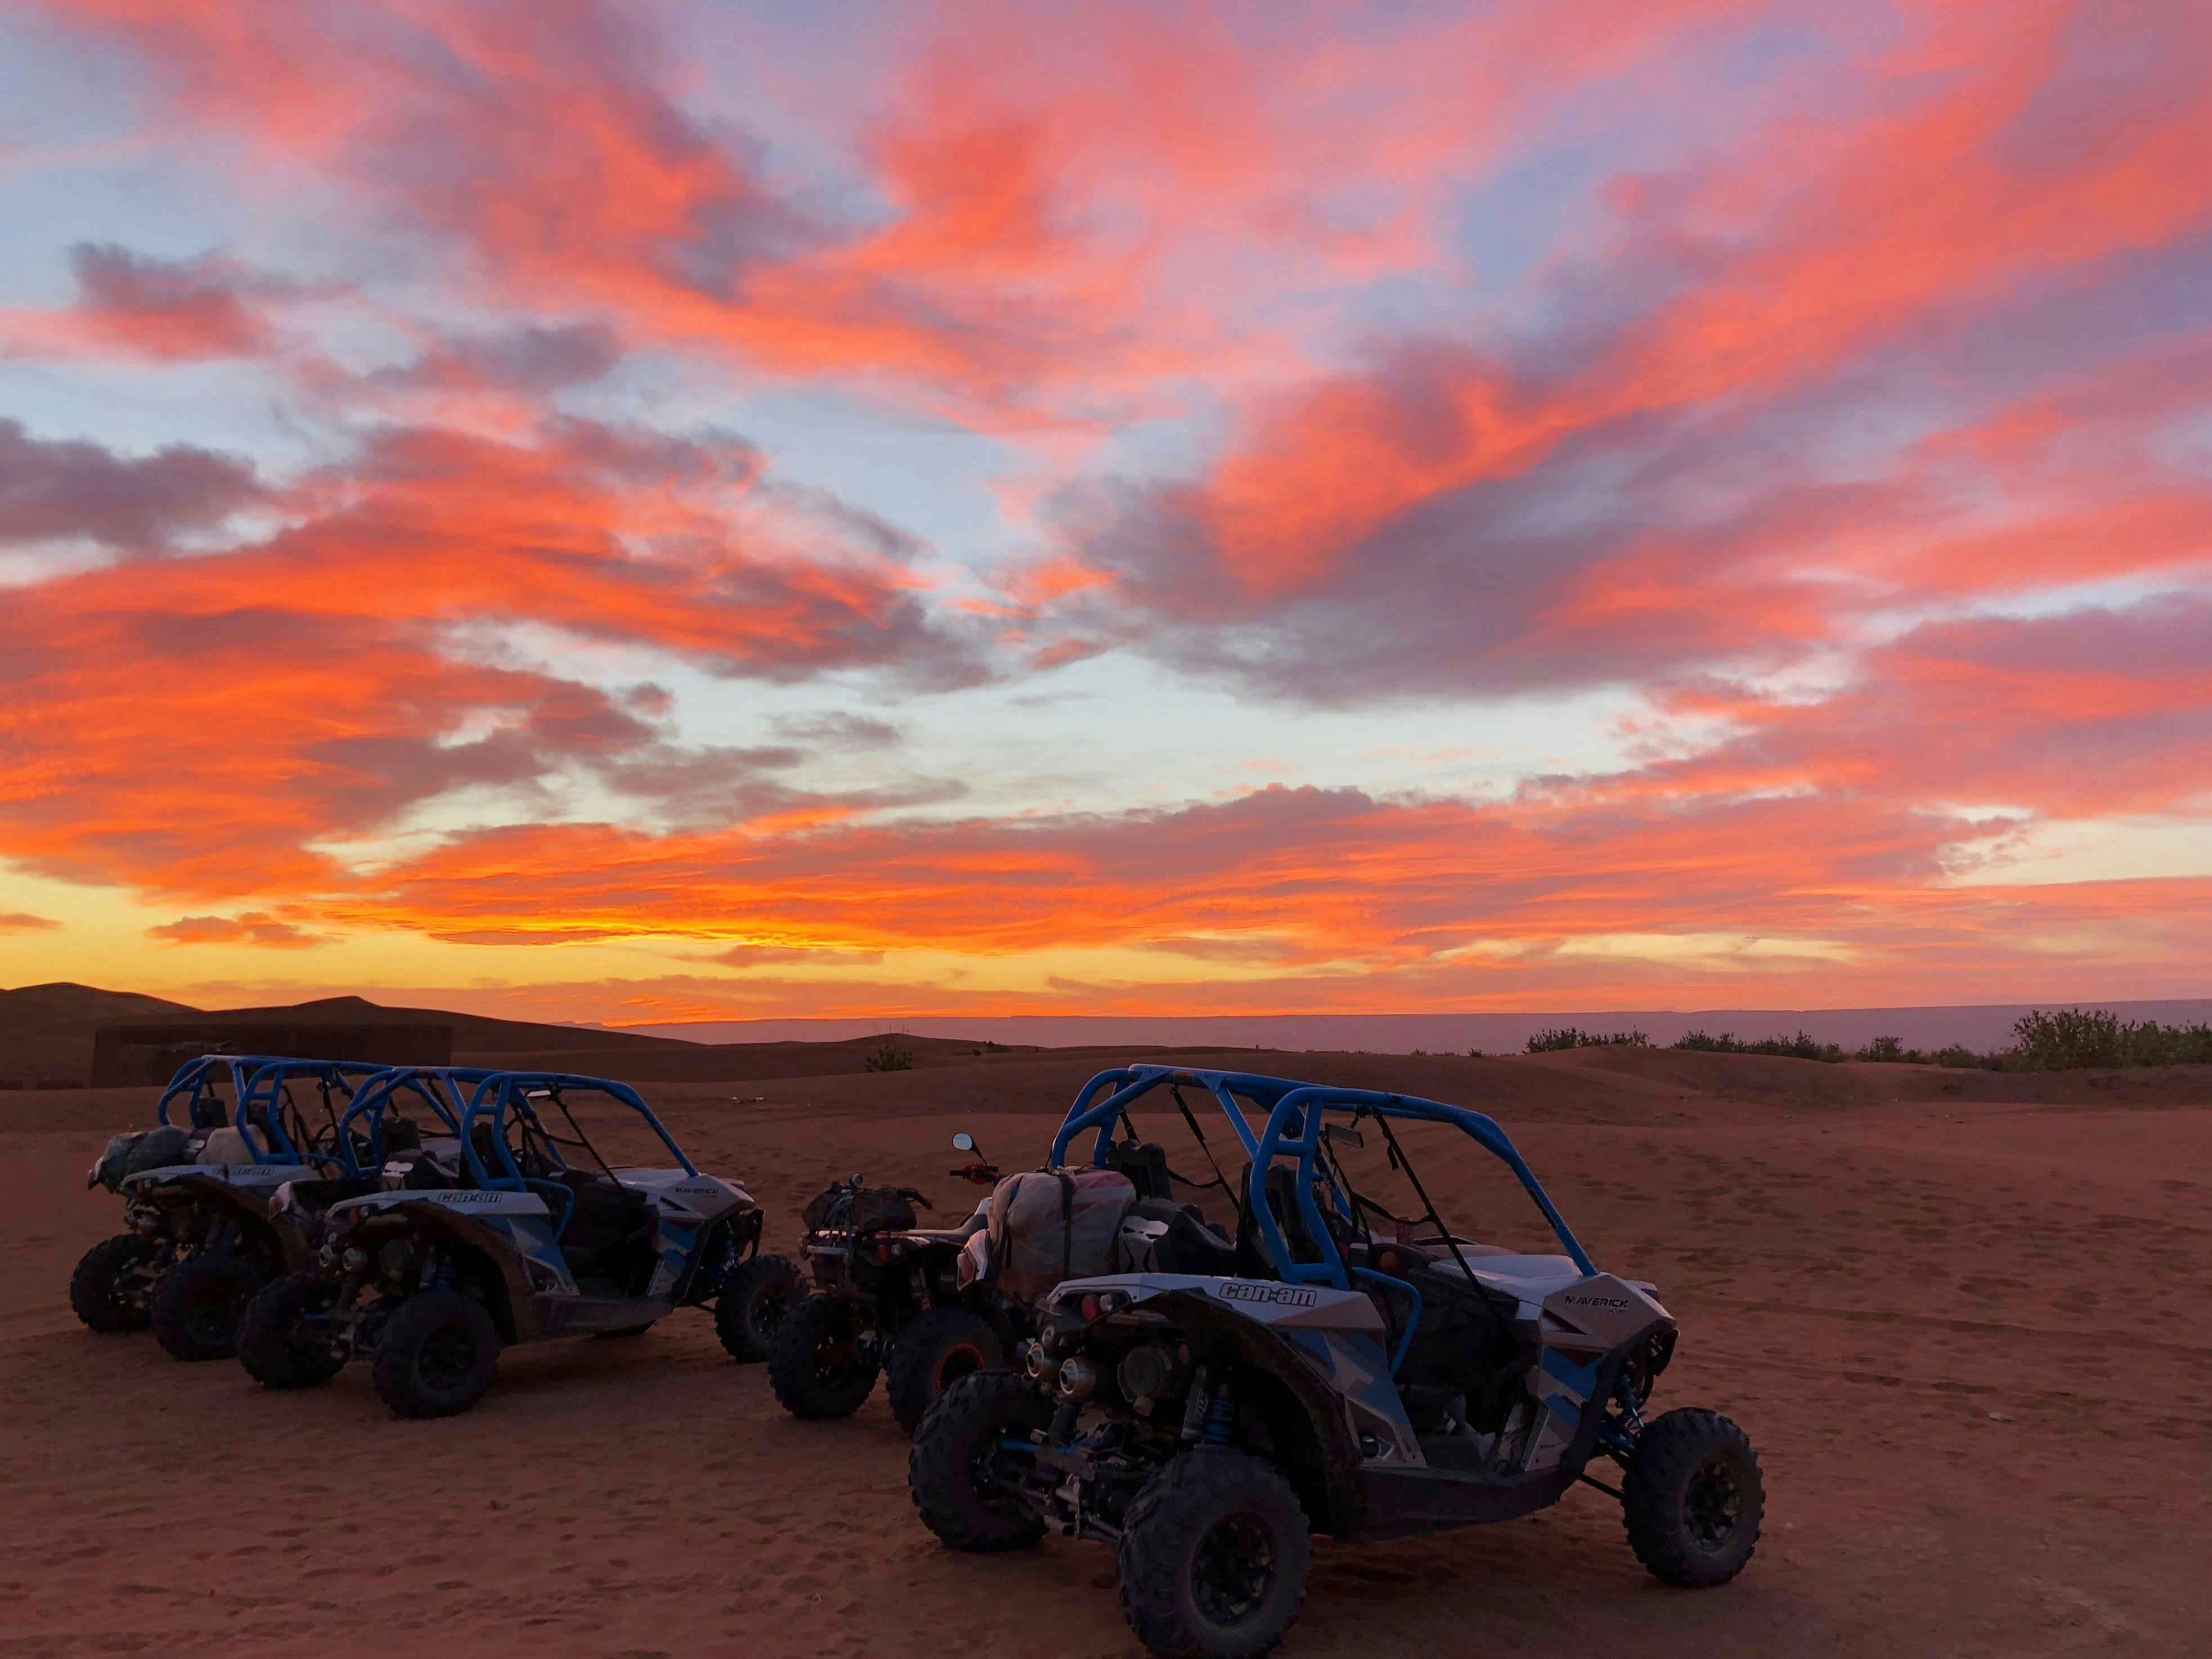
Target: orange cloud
(1328, 899)
(248, 927)
(197, 726)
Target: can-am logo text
(1282, 1296)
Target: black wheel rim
(447, 1360)
(836, 1360)
(961, 1359)
(1232, 1568)
(216, 1311)
(311, 1334)
(991, 1467)
(132, 1287)
(1712, 1505)
(770, 1303)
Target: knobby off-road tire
(197, 1305)
(1215, 1556)
(1692, 1499)
(754, 1299)
(274, 1344)
(436, 1355)
(932, 1354)
(812, 1364)
(96, 1286)
(948, 1470)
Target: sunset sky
(671, 511)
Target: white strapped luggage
(1048, 1225)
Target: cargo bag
(870, 1210)
(1048, 1225)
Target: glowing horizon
(689, 511)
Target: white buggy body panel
(1343, 1338)
(464, 1199)
(523, 1226)
(695, 1198)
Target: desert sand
(1961, 1315)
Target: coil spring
(1221, 1419)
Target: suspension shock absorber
(1197, 1405)
(1221, 1417)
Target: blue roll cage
(444, 1089)
(1296, 1114)
(502, 1092)
(203, 1107)
(262, 1086)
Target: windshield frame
(440, 1087)
(502, 1092)
(269, 1088)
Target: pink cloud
(1829, 384)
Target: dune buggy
(380, 1139)
(501, 1240)
(197, 1196)
(1367, 1375)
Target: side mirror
(964, 1142)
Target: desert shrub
(1891, 1051)
(1571, 1036)
(2068, 1039)
(1801, 1047)
(888, 1057)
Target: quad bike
(1204, 1417)
(925, 1307)
(500, 1240)
(889, 1296)
(197, 1199)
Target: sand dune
(1966, 1330)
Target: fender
(212, 1186)
(246, 1178)
(687, 1200)
(1274, 1350)
(1402, 1501)
(744, 1229)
